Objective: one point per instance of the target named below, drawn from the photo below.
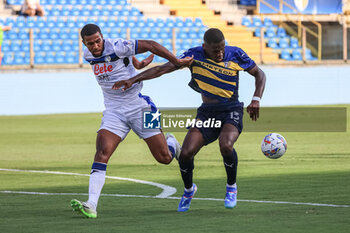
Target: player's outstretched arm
(152, 73)
(155, 48)
(142, 64)
(260, 80)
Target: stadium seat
(272, 43)
(6, 46)
(257, 32)
(285, 55)
(284, 43)
(268, 22)
(294, 43)
(45, 46)
(281, 32)
(246, 21)
(256, 22)
(296, 55)
(270, 32)
(308, 55)
(8, 59)
(25, 46)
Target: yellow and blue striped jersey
(218, 80)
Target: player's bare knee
(226, 149)
(164, 159)
(102, 156)
(187, 153)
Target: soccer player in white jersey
(111, 61)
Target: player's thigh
(193, 142)
(227, 138)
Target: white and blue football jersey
(115, 64)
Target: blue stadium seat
(256, 22)
(272, 43)
(12, 35)
(20, 22)
(50, 22)
(308, 55)
(6, 46)
(23, 35)
(66, 10)
(55, 11)
(60, 23)
(74, 34)
(268, 22)
(45, 46)
(37, 45)
(198, 22)
(296, 55)
(75, 11)
(19, 60)
(284, 43)
(270, 32)
(40, 22)
(246, 21)
(85, 11)
(8, 59)
(80, 22)
(257, 32)
(15, 46)
(70, 23)
(60, 58)
(281, 32)
(169, 22)
(285, 55)
(43, 35)
(294, 43)
(188, 22)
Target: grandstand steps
(152, 8)
(229, 12)
(4, 11)
(235, 35)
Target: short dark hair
(89, 29)
(213, 35)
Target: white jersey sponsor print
(113, 65)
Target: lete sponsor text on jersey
(102, 69)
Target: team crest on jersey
(227, 64)
(108, 59)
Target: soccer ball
(273, 145)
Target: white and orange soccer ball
(274, 145)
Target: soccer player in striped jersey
(214, 74)
(111, 61)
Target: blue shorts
(227, 113)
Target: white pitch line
(166, 194)
(167, 190)
(172, 198)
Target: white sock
(189, 190)
(231, 186)
(171, 143)
(97, 180)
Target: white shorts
(128, 116)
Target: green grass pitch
(315, 169)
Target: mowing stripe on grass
(167, 190)
(176, 198)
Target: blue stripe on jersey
(214, 82)
(107, 58)
(99, 166)
(149, 101)
(136, 46)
